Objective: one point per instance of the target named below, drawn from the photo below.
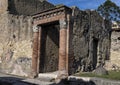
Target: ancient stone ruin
(39, 37)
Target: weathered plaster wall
(114, 62)
(15, 43)
(91, 40)
(16, 34)
(115, 48)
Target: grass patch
(111, 75)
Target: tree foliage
(110, 11)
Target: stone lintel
(48, 20)
(35, 54)
(64, 9)
(51, 15)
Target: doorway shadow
(49, 49)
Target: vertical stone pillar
(90, 62)
(35, 51)
(62, 49)
(39, 48)
(69, 49)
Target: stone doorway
(95, 52)
(44, 28)
(49, 48)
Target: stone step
(48, 76)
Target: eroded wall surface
(15, 44)
(91, 40)
(114, 62)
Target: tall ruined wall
(28, 7)
(80, 45)
(15, 44)
(91, 40)
(114, 62)
(102, 32)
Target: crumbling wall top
(27, 7)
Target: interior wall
(49, 48)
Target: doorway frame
(62, 14)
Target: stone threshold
(50, 76)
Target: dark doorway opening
(49, 48)
(95, 51)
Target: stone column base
(61, 76)
(33, 75)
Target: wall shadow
(13, 81)
(74, 82)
